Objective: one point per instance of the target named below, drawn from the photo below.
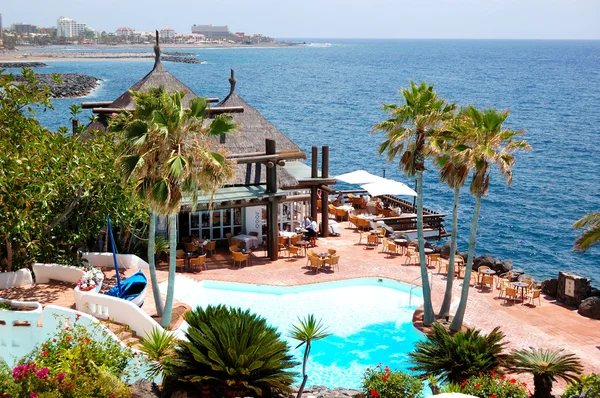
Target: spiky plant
(456, 358)
(306, 331)
(230, 352)
(158, 346)
(547, 366)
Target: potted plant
(91, 280)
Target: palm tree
(487, 143)
(455, 358)
(307, 331)
(591, 235)
(407, 132)
(547, 366)
(446, 148)
(167, 153)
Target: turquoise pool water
(370, 320)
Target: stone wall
(572, 289)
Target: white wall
(65, 273)
(105, 260)
(253, 221)
(20, 277)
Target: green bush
(463, 355)
(79, 361)
(385, 383)
(490, 385)
(587, 387)
(229, 352)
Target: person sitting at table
(340, 200)
(312, 232)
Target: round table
(521, 285)
(428, 250)
(488, 271)
(303, 245)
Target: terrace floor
(548, 325)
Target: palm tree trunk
(166, 318)
(542, 387)
(445, 309)
(428, 315)
(152, 264)
(460, 312)
(304, 375)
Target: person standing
(312, 232)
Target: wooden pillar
(314, 173)
(272, 210)
(324, 194)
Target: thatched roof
(252, 128)
(158, 77)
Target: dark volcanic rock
(595, 292)
(183, 60)
(486, 259)
(144, 389)
(4, 65)
(590, 307)
(324, 392)
(73, 85)
(445, 250)
(549, 287)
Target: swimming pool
(370, 320)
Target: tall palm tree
(447, 148)
(547, 366)
(591, 235)
(407, 132)
(168, 153)
(307, 331)
(487, 143)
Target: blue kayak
(132, 288)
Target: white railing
(65, 273)
(118, 310)
(16, 278)
(105, 260)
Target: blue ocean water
(330, 93)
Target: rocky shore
(4, 65)
(73, 85)
(170, 56)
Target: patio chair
(333, 261)
(309, 252)
(190, 247)
(363, 223)
(234, 249)
(315, 262)
(211, 247)
(295, 239)
(535, 294)
(332, 210)
(392, 248)
(179, 262)
(239, 257)
(510, 292)
(293, 250)
(180, 254)
(412, 257)
(433, 258)
(352, 220)
(340, 213)
(372, 240)
(443, 265)
(479, 273)
(228, 236)
(487, 280)
(331, 251)
(198, 261)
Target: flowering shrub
(381, 382)
(90, 279)
(490, 385)
(79, 361)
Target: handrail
(430, 273)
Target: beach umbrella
(388, 187)
(359, 177)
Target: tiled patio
(549, 325)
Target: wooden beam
(271, 171)
(95, 104)
(211, 111)
(264, 158)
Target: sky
(468, 19)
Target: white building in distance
(124, 31)
(66, 27)
(167, 33)
(210, 31)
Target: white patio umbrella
(359, 177)
(388, 187)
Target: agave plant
(231, 353)
(158, 346)
(306, 331)
(456, 358)
(547, 366)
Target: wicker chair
(211, 247)
(363, 223)
(535, 294)
(315, 262)
(293, 250)
(372, 240)
(333, 261)
(239, 257)
(412, 257)
(198, 261)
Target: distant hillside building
(124, 31)
(24, 28)
(66, 27)
(167, 33)
(211, 31)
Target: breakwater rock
(324, 392)
(73, 85)
(5, 65)
(498, 265)
(183, 60)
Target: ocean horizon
(330, 92)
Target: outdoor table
(323, 255)
(347, 208)
(286, 234)
(487, 272)
(248, 252)
(521, 285)
(303, 245)
(427, 251)
(369, 217)
(249, 241)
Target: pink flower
(33, 395)
(60, 376)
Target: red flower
(502, 377)
(464, 383)
(513, 381)
(374, 393)
(69, 338)
(67, 328)
(493, 396)
(423, 377)
(412, 369)
(477, 385)
(44, 353)
(524, 384)
(77, 315)
(87, 340)
(54, 340)
(493, 374)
